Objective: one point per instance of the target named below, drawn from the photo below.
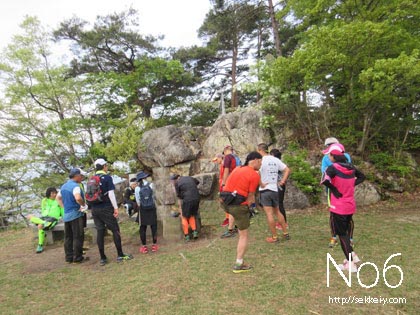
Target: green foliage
(304, 176)
(385, 162)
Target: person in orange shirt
(238, 199)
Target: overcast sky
(178, 20)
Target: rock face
(188, 151)
(366, 194)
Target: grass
(196, 278)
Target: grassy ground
(196, 278)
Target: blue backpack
(146, 197)
(237, 160)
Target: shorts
(269, 198)
(240, 214)
(340, 224)
(190, 208)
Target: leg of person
(100, 237)
(193, 224)
(351, 230)
(78, 238)
(68, 242)
(185, 228)
(112, 224)
(153, 227)
(333, 239)
(281, 193)
(41, 240)
(341, 226)
(282, 223)
(242, 219)
(271, 224)
(143, 249)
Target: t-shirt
(243, 180)
(51, 208)
(269, 171)
(229, 161)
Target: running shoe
(333, 242)
(354, 258)
(195, 234)
(228, 233)
(143, 249)
(225, 222)
(241, 268)
(347, 265)
(155, 248)
(272, 239)
(187, 238)
(103, 261)
(82, 260)
(286, 237)
(124, 257)
(39, 249)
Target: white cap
(331, 140)
(100, 162)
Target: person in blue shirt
(326, 162)
(72, 199)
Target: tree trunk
(234, 99)
(275, 28)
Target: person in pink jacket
(341, 177)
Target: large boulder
(366, 194)
(170, 145)
(240, 129)
(294, 198)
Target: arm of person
(59, 199)
(225, 176)
(111, 195)
(360, 177)
(286, 174)
(79, 198)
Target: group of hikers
(263, 174)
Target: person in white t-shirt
(269, 199)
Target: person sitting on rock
(51, 212)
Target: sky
(177, 20)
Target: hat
(174, 176)
(76, 171)
(335, 149)
(217, 156)
(100, 162)
(227, 147)
(330, 140)
(141, 176)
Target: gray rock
(295, 198)
(366, 194)
(206, 185)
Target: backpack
(146, 197)
(93, 192)
(237, 160)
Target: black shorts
(104, 217)
(190, 208)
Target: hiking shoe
(103, 262)
(346, 266)
(143, 249)
(228, 233)
(333, 242)
(225, 222)
(241, 268)
(39, 249)
(272, 239)
(195, 234)
(124, 257)
(286, 237)
(154, 248)
(187, 238)
(84, 259)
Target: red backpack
(94, 192)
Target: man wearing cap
(326, 162)
(71, 198)
(105, 214)
(237, 198)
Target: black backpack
(146, 197)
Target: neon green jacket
(51, 208)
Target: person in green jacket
(51, 212)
